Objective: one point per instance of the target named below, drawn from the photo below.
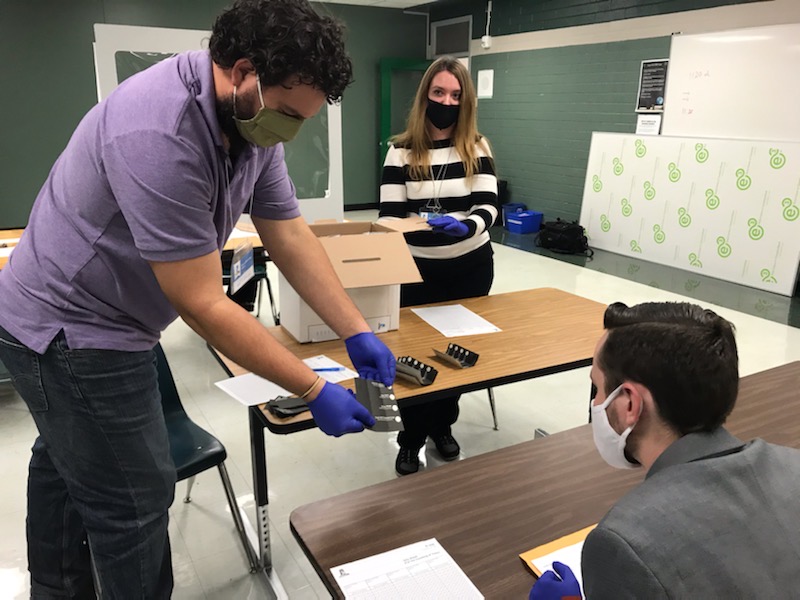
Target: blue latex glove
(449, 225)
(371, 358)
(336, 411)
(555, 587)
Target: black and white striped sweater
(472, 201)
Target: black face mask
(442, 116)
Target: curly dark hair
(284, 38)
(684, 354)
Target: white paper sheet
(569, 555)
(6, 252)
(329, 369)
(239, 233)
(455, 320)
(415, 572)
(9, 241)
(252, 390)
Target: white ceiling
(382, 3)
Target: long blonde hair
(416, 137)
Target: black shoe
(447, 446)
(407, 461)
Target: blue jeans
(101, 478)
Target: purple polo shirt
(145, 177)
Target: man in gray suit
(715, 517)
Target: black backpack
(564, 237)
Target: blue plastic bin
(527, 221)
(511, 208)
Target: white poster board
(743, 83)
(110, 39)
(723, 208)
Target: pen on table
(326, 369)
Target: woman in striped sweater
(441, 168)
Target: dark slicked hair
(284, 38)
(684, 354)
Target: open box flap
(371, 258)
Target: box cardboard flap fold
(369, 257)
(415, 223)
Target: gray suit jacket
(714, 518)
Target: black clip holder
(286, 406)
(457, 356)
(381, 402)
(415, 371)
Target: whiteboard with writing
(742, 83)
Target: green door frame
(387, 66)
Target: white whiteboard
(743, 83)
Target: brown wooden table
(8, 234)
(487, 510)
(544, 331)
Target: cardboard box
(371, 261)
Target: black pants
(467, 276)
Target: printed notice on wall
(652, 84)
(485, 83)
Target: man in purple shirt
(124, 237)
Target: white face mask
(609, 443)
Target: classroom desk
(8, 234)
(544, 331)
(487, 510)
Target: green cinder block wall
(48, 81)
(545, 106)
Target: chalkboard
(743, 83)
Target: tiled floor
(303, 467)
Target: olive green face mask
(269, 126)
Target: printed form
(418, 571)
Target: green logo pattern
(723, 247)
(618, 168)
(674, 172)
(684, 218)
(743, 180)
(635, 247)
(691, 284)
(641, 149)
(776, 158)
(767, 276)
(790, 210)
(755, 230)
(605, 224)
(597, 185)
(649, 191)
(700, 153)
(658, 234)
(694, 260)
(712, 200)
(627, 209)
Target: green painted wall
(545, 106)
(48, 81)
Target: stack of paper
(565, 550)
